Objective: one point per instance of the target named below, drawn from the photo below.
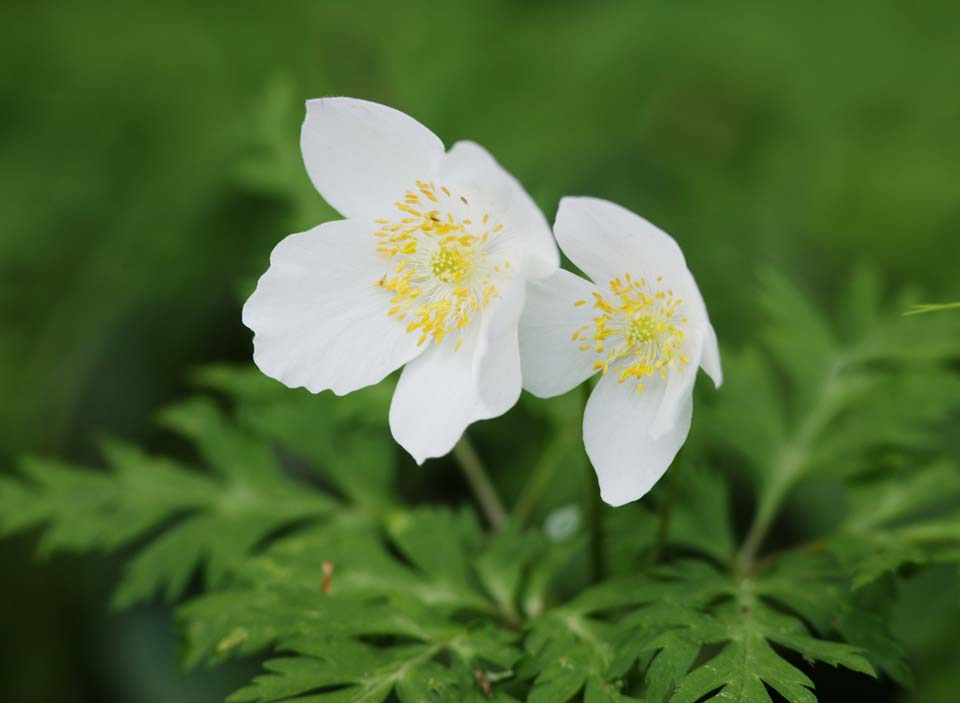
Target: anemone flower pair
(430, 271)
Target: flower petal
(436, 398)
(606, 240)
(362, 156)
(710, 359)
(497, 363)
(471, 169)
(616, 434)
(444, 390)
(552, 361)
(319, 318)
(678, 388)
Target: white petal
(469, 168)
(616, 434)
(678, 388)
(710, 361)
(498, 351)
(552, 361)
(605, 241)
(443, 391)
(362, 156)
(436, 398)
(697, 312)
(319, 318)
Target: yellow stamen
(442, 277)
(641, 326)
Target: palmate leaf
(664, 621)
(817, 587)
(418, 608)
(901, 516)
(882, 386)
(748, 663)
(185, 517)
(870, 380)
(344, 439)
(360, 598)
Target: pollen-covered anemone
(641, 323)
(428, 270)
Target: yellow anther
(642, 327)
(442, 277)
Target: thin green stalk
(479, 481)
(663, 522)
(787, 471)
(598, 566)
(560, 444)
(594, 510)
(932, 307)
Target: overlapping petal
(470, 168)
(604, 239)
(497, 363)
(552, 362)
(444, 390)
(627, 459)
(319, 317)
(362, 156)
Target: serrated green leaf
(202, 520)
(345, 438)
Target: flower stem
(932, 307)
(788, 469)
(598, 565)
(663, 518)
(561, 444)
(479, 480)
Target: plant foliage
(281, 532)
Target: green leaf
(883, 388)
(700, 517)
(191, 518)
(664, 620)
(345, 438)
(899, 517)
(748, 663)
(819, 589)
(362, 613)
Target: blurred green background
(149, 161)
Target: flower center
(447, 262)
(450, 262)
(638, 332)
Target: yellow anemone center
(451, 262)
(445, 269)
(638, 331)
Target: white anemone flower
(427, 270)
(641, 323)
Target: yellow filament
(638, 331)
(442, 277)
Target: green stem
(561, 443)
(788, 470)
(932, 307)
(769, 506)
(594, 509)
(479, 480)
(663, 522)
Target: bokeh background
(149, 161)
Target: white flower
(428, 269)
(642, 324)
